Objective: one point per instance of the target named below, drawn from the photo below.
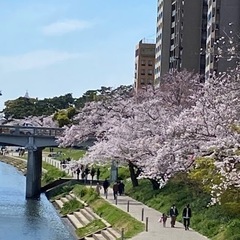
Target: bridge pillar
(34, 173)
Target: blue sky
(54, 47)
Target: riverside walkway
(154, 230)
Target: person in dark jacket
(187, 214)
(173, 214)
(106, 185)
(115, 190)
(78, 172)
(121, 187)
(98, 174)
(93, 171)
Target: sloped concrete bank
(18, 163)
(84, 216)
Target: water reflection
(26, 219)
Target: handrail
(24, 130)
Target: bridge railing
(34, 131)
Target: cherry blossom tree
(213, 124)
(135, 130)
(162, 130)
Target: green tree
(20, 107)
(206, 173)
(71, 112)
(25, 107)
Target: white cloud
(34, 60)
(66, 26)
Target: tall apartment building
(223, 21)
(187, 32)
(144, 64)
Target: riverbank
(19, 163)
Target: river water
(23, 219)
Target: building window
(143, 62)
(143, 72)
(142, 81)
(150, 62)
(150, 72)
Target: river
(23, 219)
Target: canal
(26, 219)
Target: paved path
(155, 229)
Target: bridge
(34, 140)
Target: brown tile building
(144, 64)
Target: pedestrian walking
(98, 174)
(187, 214)
(83, 175)
(173, 214)
(86, 172)
(78, 172)
(163, 219)
(98, 188)
(106, 185)
(92, 172)
(121, 187)
(115, 190)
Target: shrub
(123, 173)
(80, 191)
(233, 230)
(71, 206)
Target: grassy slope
(74, 154)
(51, 174)
(116, 217)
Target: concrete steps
(69, 197)
(88, 214)
(113, 233)
(98, 236)
(59, 203)
(75, 222)
(84, 216)
(107, 235)
(81, 218)
(64, 199)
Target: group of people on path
(118, 188)
(85, 171)
(173, 213)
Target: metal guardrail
(33, 131)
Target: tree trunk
(133, 175)
(155, 184)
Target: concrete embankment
(19, 163)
